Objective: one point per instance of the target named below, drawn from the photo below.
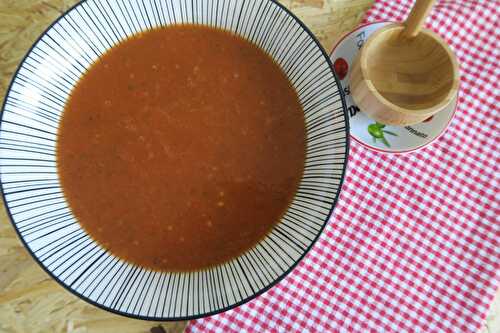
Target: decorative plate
(373, 135)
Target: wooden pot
(398, 80)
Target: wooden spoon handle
(415, 20)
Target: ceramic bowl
(28, 162)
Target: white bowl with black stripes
(28, 162)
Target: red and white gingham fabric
(414, 242)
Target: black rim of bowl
(253, 296)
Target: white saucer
(378, 137)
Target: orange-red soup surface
(181, 148)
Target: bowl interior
(42, 217)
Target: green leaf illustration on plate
(377, 132)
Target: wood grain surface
(29, 300)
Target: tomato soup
(181, 148)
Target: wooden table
(29, 300)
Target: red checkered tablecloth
(414, 242)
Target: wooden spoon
(415, 20)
